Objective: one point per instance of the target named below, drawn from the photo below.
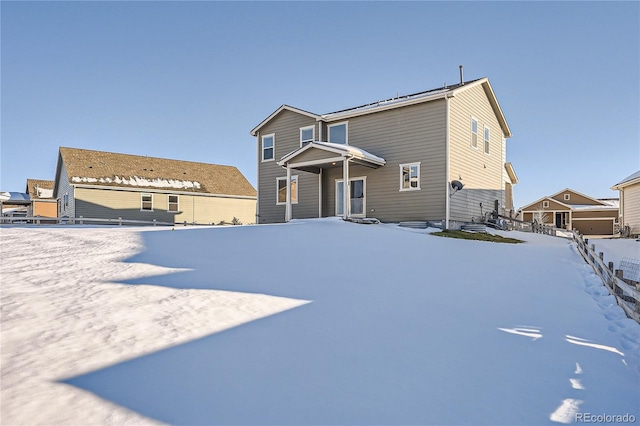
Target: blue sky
(189, 80)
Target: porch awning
(318, 155)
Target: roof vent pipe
(461, 75)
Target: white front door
(357, 196)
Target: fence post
(81, 220)
(120, 221)
(601, 256)
(619, 273)
(611, 266)
(154, 222)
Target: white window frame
(65, 200)
(402, 166)
(486, 137)
(545, 204)
(313, 135)
(142, 195)
(294, 194)
(273, 146)
(364, 190)
(567, 197)
(474, 142)
(346, 132)
(177, 203)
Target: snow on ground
(64, 314)
(616, 249)
(124, 325)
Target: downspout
(447, 165)
(257, 212)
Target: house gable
(274, 114)
(576, 198)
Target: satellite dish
(457, 185)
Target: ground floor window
(173, 203)
(282, 190)
(146, 201)
(410, 177)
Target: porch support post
(346, 189)
(320, 194)
(287, 214)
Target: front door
(357, 197)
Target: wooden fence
(626, 292)
(39, 220)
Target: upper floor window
(567, 197)
(409, 177)
(146, 201)
(173, 203)
(486, 140)
(545, 204)
(474, 132)
(282, 190)
(268, 146)
(307, 134)
(338, 133)
(65, 200)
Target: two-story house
(401, 159)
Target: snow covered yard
(313, 322)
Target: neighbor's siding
(286, 127)
(110, 203)
(482, 174)
(631, 206)
(65, 188)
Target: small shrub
(478, 236)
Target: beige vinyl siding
(630, 197)
(481, 173)
(409, 134)
(114, 203)
(286, 127)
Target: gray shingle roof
(135, 171)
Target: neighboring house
(42, 202)
(14, 204)
(399, 158)
(629, 189)
(96, 184)
(569, 209)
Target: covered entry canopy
(315, 156)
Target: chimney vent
(461, 75)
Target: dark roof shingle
(136, 171)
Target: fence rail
(40, 220)
(626, 291)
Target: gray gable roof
(88, 167)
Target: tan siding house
(398, 158)
(629, 189)
(569, 209)
(104, 185)
(43, 203)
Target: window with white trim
(307, 134)
(486, 140)
(545, 204)
(146, 202)
(173, 204)
(268, 147)
(410, 177)
(65, 200)
(567, 197)
(474, 133)
(281, 185)
(338, 133)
